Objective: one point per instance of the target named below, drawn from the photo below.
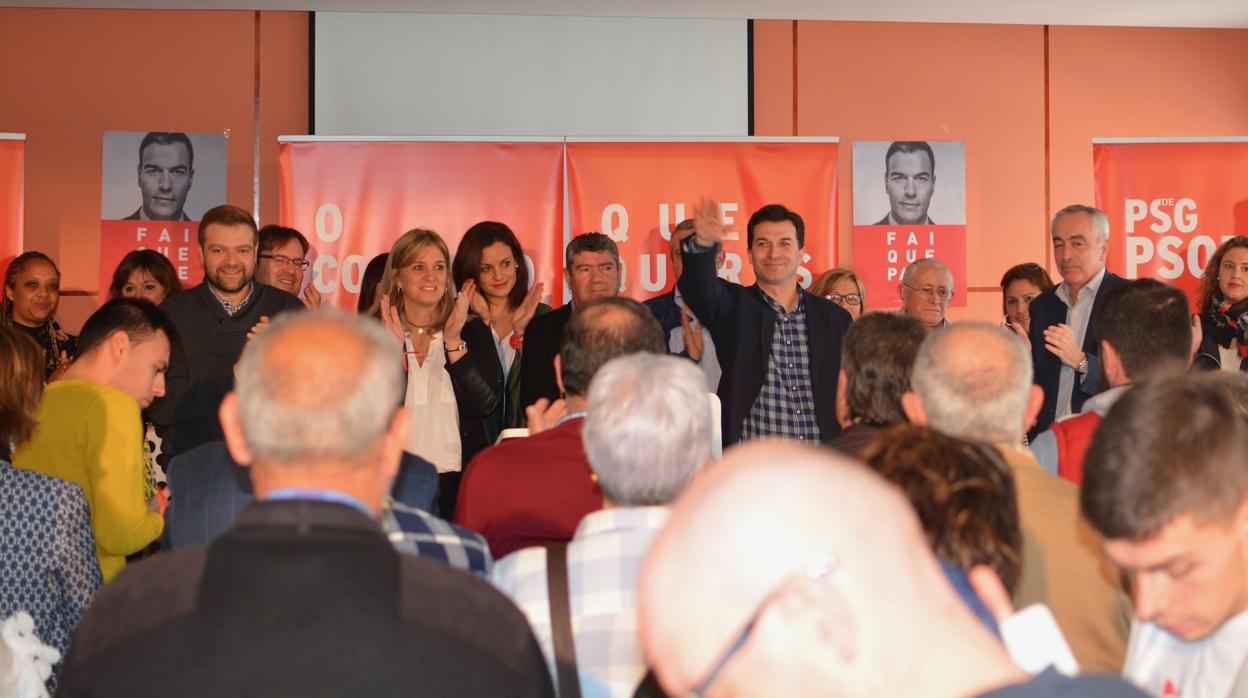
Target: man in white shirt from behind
(1166, 484)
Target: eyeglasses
(850, 298)
(282, 260)
(812, 572)
(939, 293)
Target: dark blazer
(201, 362)
(477, 379)
(138, 215)
(301, 599)
(1048, 310)
(742, 324)
(666, 311)
(884, 220)
(542, 340)
(1209, 356)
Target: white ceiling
(1152, 13)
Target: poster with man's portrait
(155, 186)
(909, 204)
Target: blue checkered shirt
(603, 559)
(230, 308)
(418, 532)
(786, 403)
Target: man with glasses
(1065, 350)
(282, 261)
(780, 346)
(764, 582)
(926, 288)
(213, 320)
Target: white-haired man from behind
(647, 430)
(972, 381)
(305, 595)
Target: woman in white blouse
(490, 258)
(452, 369)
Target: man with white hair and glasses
(926, 288)
(765, 582)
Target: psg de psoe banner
(1170, 203)
(353, 197)
(636, 192)
(12, 183)
(155, 187)
(909, 204)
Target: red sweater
(530, 491)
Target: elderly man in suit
(1065, 352)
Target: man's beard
(218, 282)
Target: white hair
(302, 399)
(1100, 221)
(974, 381)
(913, 268)
(648, 427)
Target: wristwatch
(1082, 366)
(462, 346)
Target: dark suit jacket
(1048, 310)
(542, 339)
(884, 220)
(201, 362)
(301, 599)
(742, 323)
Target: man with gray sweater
(214, 320)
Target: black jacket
(1048, 310)
(301, 599)
(201, 362)
(742, 324)
(542, 340)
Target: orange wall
(1027, 100)
(70, 75)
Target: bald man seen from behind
(765, 582)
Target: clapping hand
(528, 308)
(459, 314)
(390, 318)
(693, 336)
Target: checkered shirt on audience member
(418, 532)
(786, 403)
(603, 559)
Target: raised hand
(459, 314)
(390, 318)
(1060, 340)
(544, 414)
(258, 327)
(311, 297)
(707, 224)
(528, 308)
(693, 336)
(479, 305)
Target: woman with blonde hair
(453, 374)
(843, 287)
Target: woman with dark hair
(145, 274)
(1222, 300)
(32, 290)
(490, 256)
(48, 566)
(368, 285)
(452, 370)
(1019, 286)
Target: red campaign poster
(12, 183)
(156, 185)
(909, 204)
(1170, 203)
(636, 192)
(353, 198)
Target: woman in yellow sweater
(90, 431)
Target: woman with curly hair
(32, 290)
(1223, 304)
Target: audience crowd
(457, 490)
